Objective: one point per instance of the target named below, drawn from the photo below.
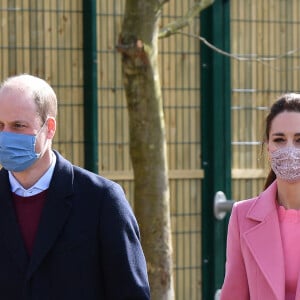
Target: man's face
(18, 113)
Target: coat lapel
(264, 241)
(298, 289)
(9, 228)
(55, 212)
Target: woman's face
(284, 131)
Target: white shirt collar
(41, 185)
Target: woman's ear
(266, 145)
(267, 150)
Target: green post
(216, 141)
(90, 85)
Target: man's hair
(37, 89)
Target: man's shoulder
(84, 177)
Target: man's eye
(18, 125)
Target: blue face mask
(17, 151)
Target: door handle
(221, 205)
(217, 294)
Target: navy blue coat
(87, 246)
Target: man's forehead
(20, 94)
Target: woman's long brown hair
(288, 102)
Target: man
(65, 233)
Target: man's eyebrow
(18, 121)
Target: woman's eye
(278, 140)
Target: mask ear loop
(36, 135)
(41, 127)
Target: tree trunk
(138, 46)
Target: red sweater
(28, 212)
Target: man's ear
(51, 127)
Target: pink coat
(255, 263)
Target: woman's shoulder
(246, 202)
(263, 197)
(243, 206)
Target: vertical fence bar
(216, 145)
(90, 85)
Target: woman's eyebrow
(282, 134)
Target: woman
(263, 243)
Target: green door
(216, 145)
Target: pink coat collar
(265, 204)
(264, 240)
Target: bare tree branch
(249, 57)
(173, 27)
